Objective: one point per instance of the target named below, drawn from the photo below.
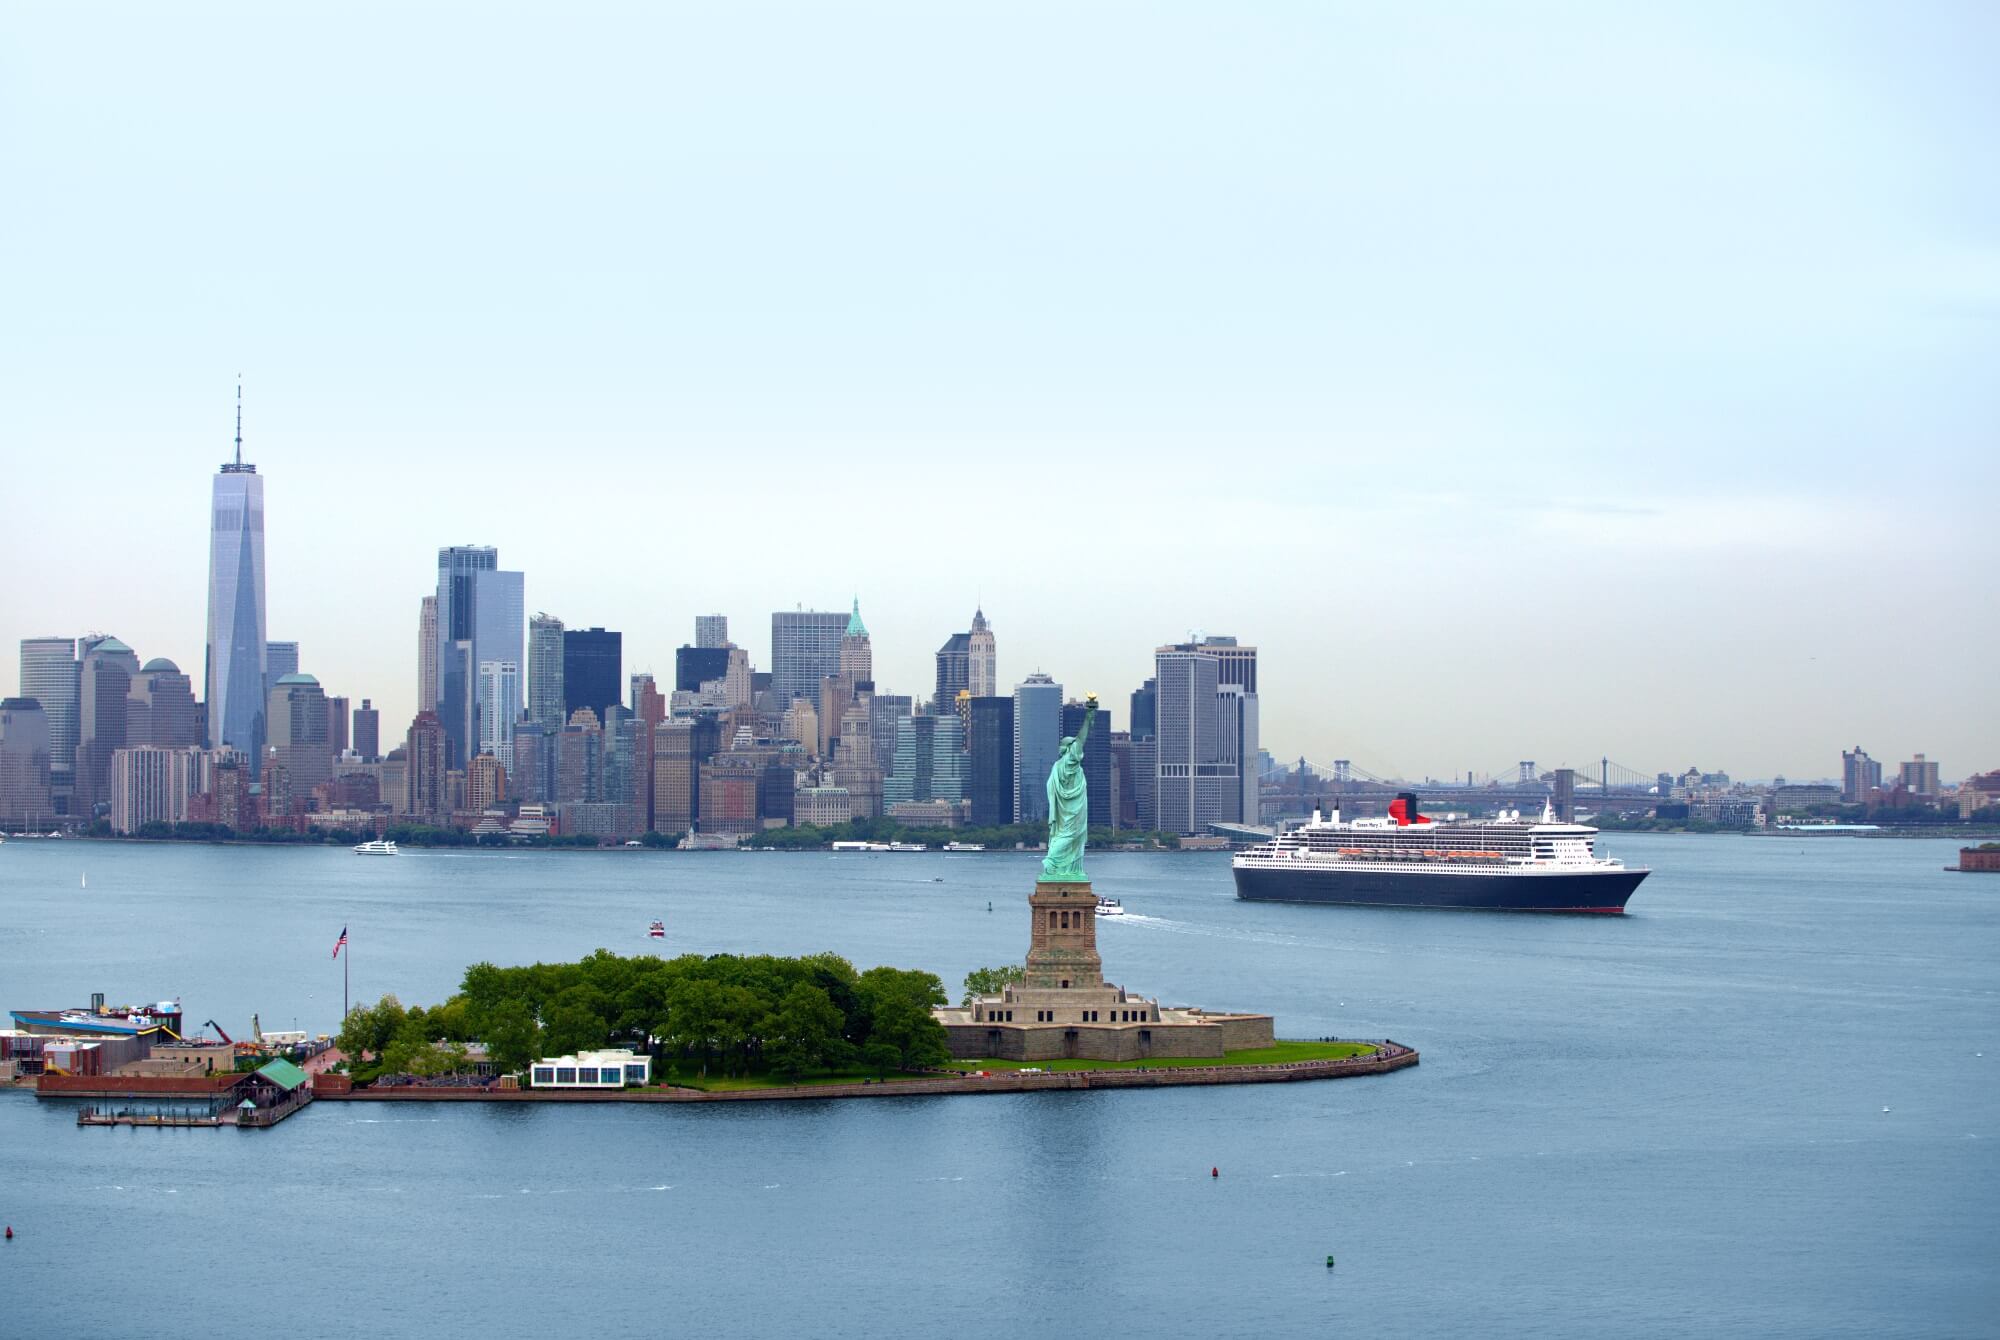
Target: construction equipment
(210, 1023)
(256, 1029)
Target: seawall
(994, 1082)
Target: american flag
(341, 943)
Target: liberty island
(1062, 1008)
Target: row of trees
(745, 1014)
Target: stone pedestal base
(1062, 947)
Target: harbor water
(1762, 1104)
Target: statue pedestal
(1062, 951)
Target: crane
(210, 1023)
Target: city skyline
(1283, 748)
(1501, 428)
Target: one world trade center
(235, 673)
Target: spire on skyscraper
(237, 467)
(855, 628)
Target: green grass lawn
(690, 1077)
(718, 1083)
(1283, 1051)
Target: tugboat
(657, 931)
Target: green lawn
(717, 1083)
(1283, 1051)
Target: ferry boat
(657, 931)
(1110, 907)
(965, 846)
(376, 848)
(1411, 860)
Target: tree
(881, 1058)
(803, 1033)
(694, 1017)
(513, 1041)
(371, 1028)
(991, 981)
(917, 1037)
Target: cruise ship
(1411, 860)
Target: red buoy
(10, 1232)
(1215, 1172)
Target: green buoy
(1329, 1263)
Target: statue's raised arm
(1069, 806)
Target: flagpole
(346, 965)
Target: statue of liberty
(1069, 807)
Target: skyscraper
(26, 801)
(427, 655)
(1194, 784)
(592, 678)
(1206, 734)
(695, 666)
(423, 767)
(930, 761)
(337, 712)
(1037, 736)
(711, 630)
(50, 674)
(1145, 710)
(532, 768)
(805, 648)
(161, 709)
(954, 671)
(857, 654)
(499, 706)
(885, 710)
(295, 721)
(234, 674)
(479, 614)
(545, 671)
(107, 668)
(982, 660)
(280, 659)
(990, 762)
(368, 732)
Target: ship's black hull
(1599, 891)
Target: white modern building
(611, 1069)
(499, 706)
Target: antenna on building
(239, 420)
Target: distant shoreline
(619, 847)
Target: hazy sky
(1527, 381)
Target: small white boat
(1110, 907)
(378, 847)
(657, 931)
(965, 846)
